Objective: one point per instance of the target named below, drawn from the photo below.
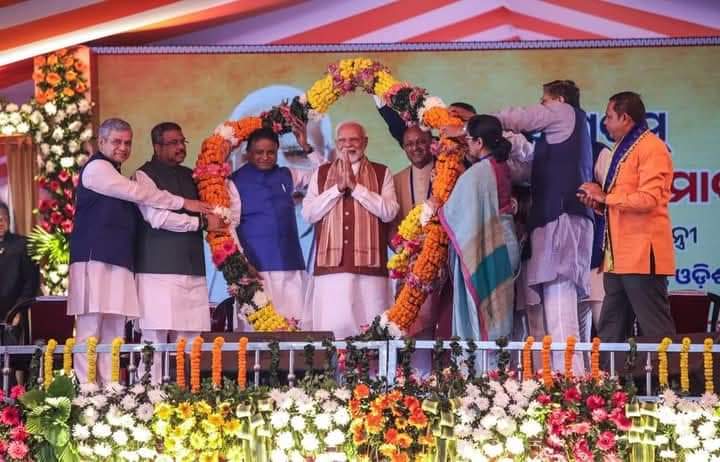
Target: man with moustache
(102, 291)
(350, 201)
(169, 259)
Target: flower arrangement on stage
(60, 123)
(687, 430)
(309, 425)
(416, 106)
(115, 422)
(14, 437)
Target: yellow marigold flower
(163, 411)
(187, 425)
(203, 407)
(197, 441)
(216, 420)
(184, 410)
(232, 427)
(209, 457)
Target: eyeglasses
(116, 143)
(175, 143)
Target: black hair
(565, 88)
(262, 134)
(157, 132)
(466, 106)
(630, 103)
(489, 130)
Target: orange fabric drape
(22, 168)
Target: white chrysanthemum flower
(75, 126)
(15, 118)
(330, 406)
(26, 108)
(322, 395)
(531, 428)
(127, 421)
(39, 138)
(276, 395)
(57, 149)
(711, 444)
(668, 454)
(71, 109)
(35, 117)
(688, 441)
(7, 130)
(697, 456)
(156, 395)
(310, 442)
(79, 401)
(661, 440)
(11, 107)
(90, 415)
(137, 389)
(498, 412)
(44, 128)
(80, 432)
(480, 435)
(666, 415)
(492, 450)
(86, 134)
(120, 437)
(343, 394)
(128, 402)
(59, 116)
(101, 430)
(669, 397)
(147, 453)
(144, 412)
(323, 421)
(73, 146)
(285, 440)
(515, 445)
(278, 455)
(85, 451)
(58, 134)
(287, 403)
(130, 456)
(463, 431)
(260, 300)
(279, 419)
(80, 159)
(306, 407)
(99, 401)
(708, 400)
(83, 105)
(482, 403)
(335, 438)
(141, 434)
(506, 426)
(341, 416)
(50, 108)
(297, 423)
(23, 127)
(707, 430)
(501, 400)
(516, 411)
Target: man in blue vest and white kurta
(170, 263)
(263, 215)
(561, 228)
(102, 291)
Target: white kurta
(344, 302)
(286, 289)
(171, 301)
(97, 287)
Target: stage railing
(387, 353)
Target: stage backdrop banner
(678, 85)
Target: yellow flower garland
(708, 366)
(267, 319)
(115, 359)
(91, 360)
(48, 364)
(684, 375)
(67, 355)
(663, 363)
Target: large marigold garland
(423, 248)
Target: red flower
(19, 433)
(70, 209)
(17, 391)
(618, 417)
(67, 226)
(56, 218)
(68, 193)
(54, 185)
(17, 450)
(3, 447)
(10, 416)
(64, 176)
(544, 399)
(599, 415)
(572, 395)
(582, 452)
(595, 402)
(46, 226)
(619, 399)
(581, 428)
(606, 441)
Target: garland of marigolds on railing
(242, 363)
(217, 361)
(117, 343)
(595, 359)
(414, 105)
(663, 362)
(546, 366)
(569, 352)
(195, 353)
(180, 363)
(708, 366)
(48, 363)
(684, 375)
(91, 359)
(67, 355)
(527, 367)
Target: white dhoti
(344, 302)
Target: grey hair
(113, 124)
(350, 122)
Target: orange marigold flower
(361, 391)
(68, 61)
(50, 95)
(418, 419)
(80, 87)
(80, 66)
(71, 75)
(38, 76)
(391, 436)
(67, 91)
(373, 422)
(354, 407)
(404, 440)
(401, 423)
(53, 78)
(411, 402)
(400, 457)
(40, 60)
(52, 59)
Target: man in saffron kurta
(350, 201)
(639, 252)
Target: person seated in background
(262, 203)
(19, 281)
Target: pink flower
(619, 399)
(19, 433)
(581, 428)
(599, 415)
(582, 452)
(572, 395)
(17, 391)
(595, 402)
(219, 257)
(3, 448)
(10, 416)
(618, 417)
(17, 450)
(606, 441)
(544, 399)
(229, 247)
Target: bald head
(416, 144)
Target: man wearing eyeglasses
(102, 291)
(169, 262)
